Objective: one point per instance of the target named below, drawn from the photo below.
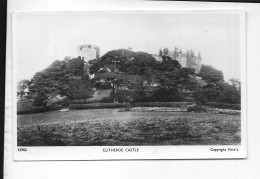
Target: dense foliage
(22, 87)
(137, 76)
(216, 89)
(131, 77)
(63, 78)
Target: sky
(39, 39)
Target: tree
(125, 72)
(168, 76)
(236, 83)
(139, 75)
(141, 64)
(189, 83)
(210, 74)
(64, 78)
(22, 88)
(216, 89)
(118, 82)
(230, 93)
(214, 79)
(75, 67)
(80, 88)
(43, 87)
(200, 96)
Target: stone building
(89, 52)
(185, 60)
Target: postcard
(112, 85)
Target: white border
(145, 152)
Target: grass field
(98, 127)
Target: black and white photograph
(129, 85)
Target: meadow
(109, 127)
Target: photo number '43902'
(22, 149)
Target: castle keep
(89, 52)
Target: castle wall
(194, 63)
(170, 54)
(198, 66)
(157, 57)
(183, 61)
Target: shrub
(196, 108)
(125, 109)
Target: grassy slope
(89, 127)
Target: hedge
(98, 105)
(162, 104)
(26, 107)
(78, 101)
(139, 104)
(224, 105)
(87, 101)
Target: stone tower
(89, 52)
